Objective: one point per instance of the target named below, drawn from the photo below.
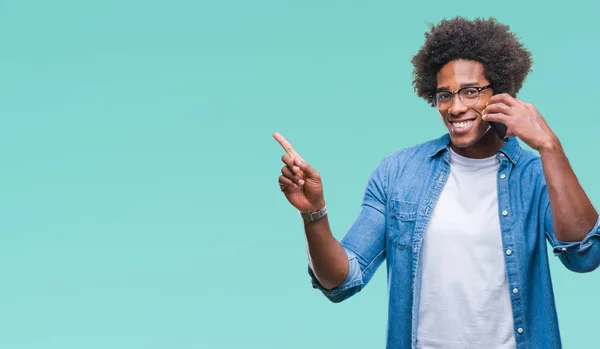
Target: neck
(488, 145)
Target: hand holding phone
(498, 127)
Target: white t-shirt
(465, 299)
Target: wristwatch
(313, 216)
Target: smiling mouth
(462, 124)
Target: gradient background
(139, 205)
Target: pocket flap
(404, 210)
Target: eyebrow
(467, 84)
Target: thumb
(309, 172)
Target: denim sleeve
(579, 256)
(364, 242)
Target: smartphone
(499, 128)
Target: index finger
(286, 145)
(504, 98)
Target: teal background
(139, 204)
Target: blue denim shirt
(397, 205)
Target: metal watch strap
(311, 217)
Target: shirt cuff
(353, 279)
(578, 247)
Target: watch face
(316, 215)
(310, 217)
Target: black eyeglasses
(469, 96)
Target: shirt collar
(511, 148)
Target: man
(461, 221)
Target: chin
(467, 140)
(462, 142)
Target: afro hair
(506, 62)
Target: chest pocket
(402, 223)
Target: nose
(456, 106)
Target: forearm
(573, 214)
(327, 257)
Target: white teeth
(462, 124)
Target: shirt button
(508, 252)
(505, 213)
(520, 330)
(515, 290)
(503, 176)
(564, 249)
